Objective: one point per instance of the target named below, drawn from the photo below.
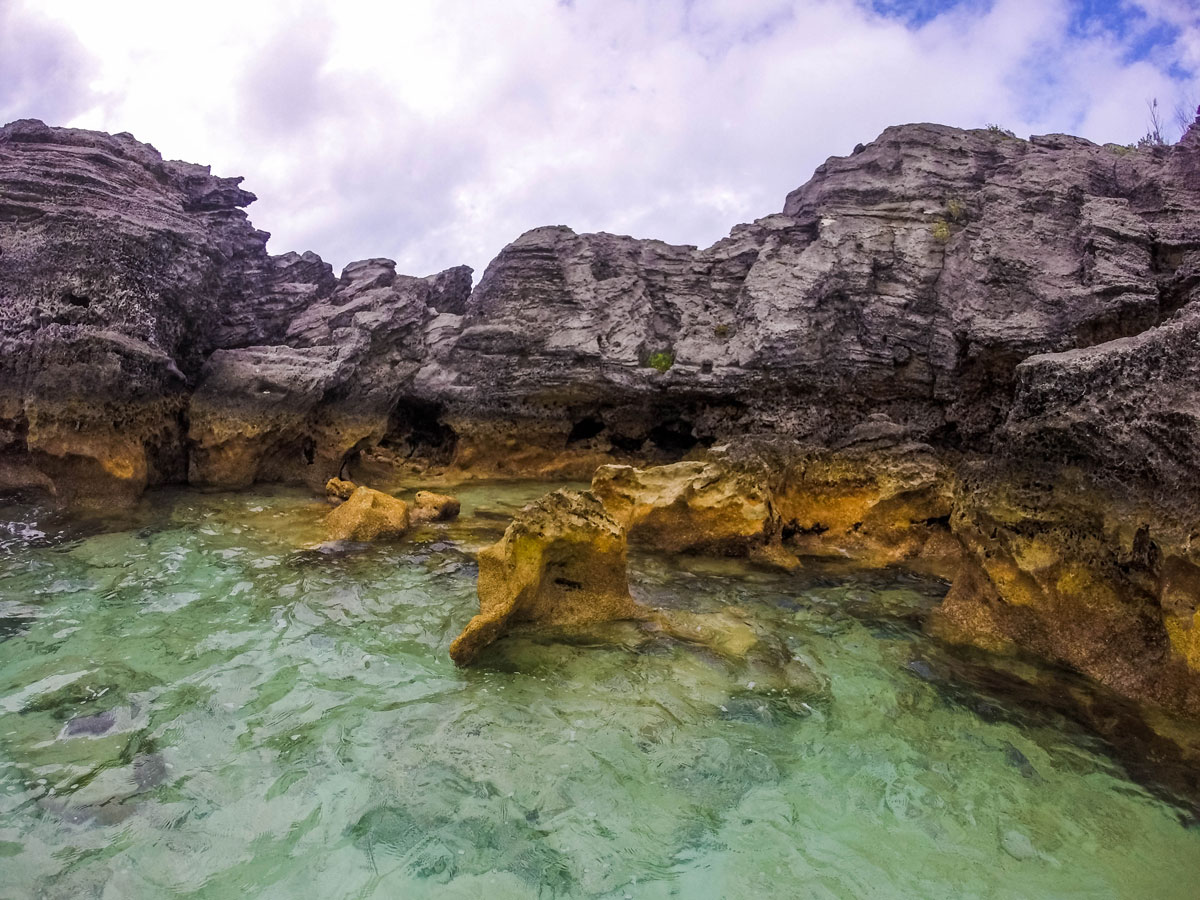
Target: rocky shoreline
(953, 350)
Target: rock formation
(687, 507)
(562, 562)
(297, 411)
(431, 507)
(337, 489)
(367, 515)
(953, 349)
(120, 273)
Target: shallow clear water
(193, 704)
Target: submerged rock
(339, 489)
(1018, 845)
(728, 634)
(562, 562)
(101, 723)
(431, 507)
(367, 516)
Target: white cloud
(42, 67)
(435, 131)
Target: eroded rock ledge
(953, 349)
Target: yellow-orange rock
(1054, 569)
(431, 507)
(367, 516)
(339, 489)
(687, 506)
(560, 563)
(876, 507)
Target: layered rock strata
(969, 352)
(120, 273)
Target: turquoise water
(196, 703)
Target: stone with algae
(562, 562)
(432, 507)
(367, 516)
(337, 489)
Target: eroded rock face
(688, 507)
(431, 507)
(970, 343)
(121, 272)
(562, 562)
(297, 412)
(880, 505)
(903, 285)
(1126, 411)
(368, 515)
(907, 280)
(1058, 567)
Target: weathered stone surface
(339, 489)
(1056, 566)
(880, 505)
(1127, 410)
(687, 506)
(944, 324)
(562, 562)
(120, 273)
(252, 417)
(298, 412)
(431, 507)
(907, 280)
(368, 515)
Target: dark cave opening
(675, 437)
(625, 443)
(415, 428)
(585, 428)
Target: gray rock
(1018, 846)
(121, 272)
(1026, 313)
(295, 412)
(895, 297)
(906, 281)
(101, 723)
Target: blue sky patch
(1124, 21)
(916, 13)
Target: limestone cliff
(953, 348)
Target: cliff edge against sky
(947, 336)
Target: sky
(434, 132)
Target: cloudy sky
(435, 131)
